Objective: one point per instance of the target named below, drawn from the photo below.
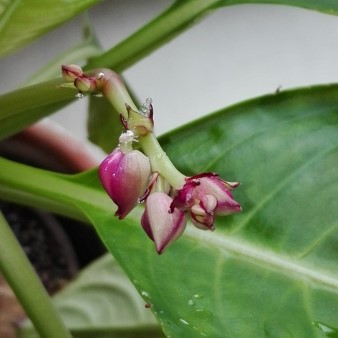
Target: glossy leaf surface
(270, 271)
(21, 21)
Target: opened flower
(205, 196)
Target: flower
(125, 175)
(205, 196)
(160, 224)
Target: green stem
(27, 286)
(160, 162)
(47, 190)
(171, 22)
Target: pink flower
(160, 224)
(125, 177)
(206, 196)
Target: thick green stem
(27, 286)
(43, 189)
(160, 162)
(179, 16)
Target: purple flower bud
(71, 72)
(206, 195)
(160, 224)
(125, 176)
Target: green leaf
(103, 123)
(102, 302)
(25, 106)
(23, 21)
(270, 271)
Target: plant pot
(56, 246)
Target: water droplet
(79, 95)
(143, 110)
(328, 330)
(203, 314)
(145, 294)
(198, 296)
(191, 302)
(183, 321)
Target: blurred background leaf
(22, 21)
(102, 302)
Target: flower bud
(161, 225)
(71, 72)
(125, 177)
(85, 84)
(140, 123)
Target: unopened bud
(71, 72)
(85, 84)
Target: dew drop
(191, 302)
(79, 95)
(198, 296)
(145, 294)
(183, 321)
(328, 330)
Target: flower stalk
(130, 176)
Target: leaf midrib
(263, 257)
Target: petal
(161, 225)
(219, 189)
(202, 219)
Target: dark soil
(56, 246)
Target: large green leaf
(21, 21)
(270, 271)
(20, 108)
(102, 302)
